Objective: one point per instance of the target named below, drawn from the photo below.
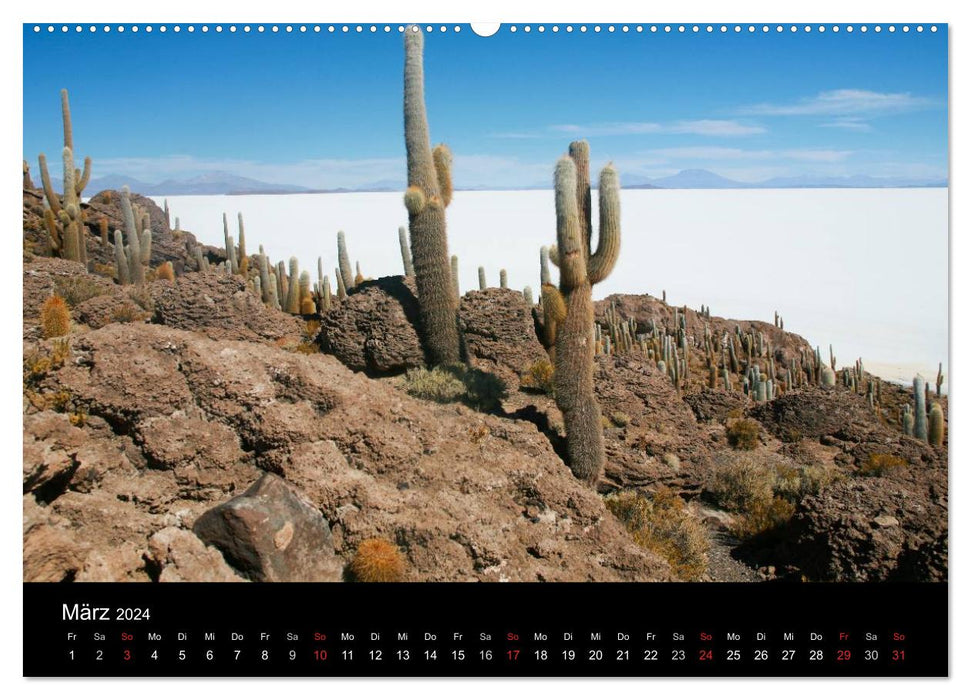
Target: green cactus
(121, 260)
(940, 378)
(341, 289)
(282, 283)
(482, 279)
(405, 252)
(429, 193)
(935, 433)
(344, 261)
(920, 408)
(274, 299)
(264, 265)
(580, 269)
(231, 261)
(827, 377)
(136, 269)
(503, 279)
(325, 301)
(307, 306)
(907, 420)
(528, 295)
(243, 258)
(65, 222)
(293, 289)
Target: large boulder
(374, 330)
(498, 332)
(179, 555)
(889, 528)
(272, 533)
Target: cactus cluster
(134, 251)
(63, 214)
(924, 419)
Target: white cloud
(845, 102)
(701, 127)
(720, 153)
(848, 124)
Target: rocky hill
(184, 430)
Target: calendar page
(545, 349)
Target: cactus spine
(580, 269)
(920, 408)
(406, 253)
(429, 192)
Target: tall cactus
(482, 279)
(243, 258)
(429, 192)
(580, 269)
(63, 217)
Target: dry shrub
(663, 524)
(762, 489)
(129, 313)
(77, 289)
(449, 383)
(539, 377)
(743, 434)
(378, 561)
(55, 317)
(620, 419)
(881, 464)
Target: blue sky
(324, 110)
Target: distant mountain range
(219, 182)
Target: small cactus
(55, 317)
(307, 305)
(344, 261)
(503, 280)
(406, 252)
(293, 290)
(482, 279)
(377, 561)
(165, 271)
(935, 432)
(920, 408)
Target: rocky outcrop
(871, 529)
(178, 555)
(271, 533)
(498, 334)
(177, 423)
(221, 307)
(374, 330)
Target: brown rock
(181, 556)
(221, 307)
(498, 332)
(374, 330)
(271, 533)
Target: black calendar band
(451, 629)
